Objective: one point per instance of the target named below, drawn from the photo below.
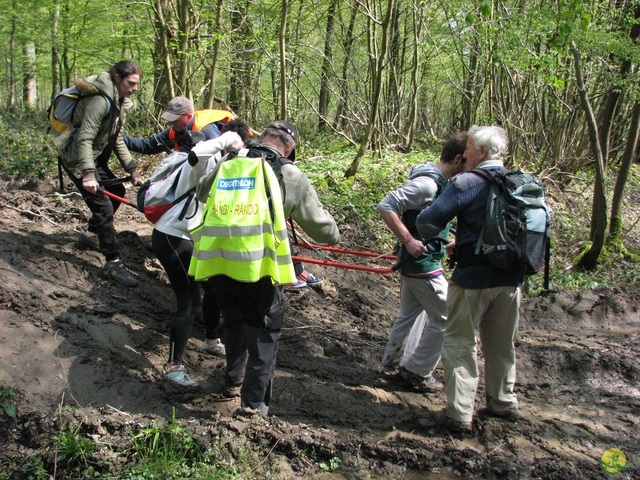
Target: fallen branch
(19, 210)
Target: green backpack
(515, 233)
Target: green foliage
(8, 401)
(165, 448)
(353, 201)
(332, 466)
(31, 468)
(73, 447)
(170, 452)
(27, 150)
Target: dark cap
(289, 128)
(177, 107)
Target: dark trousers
(103, 210)
(174, 254)
(253, 314)
(211, 312)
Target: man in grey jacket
(252, 377)
(424, 287)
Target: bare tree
(323, 97)
(284, 105)
(599, 207)
(30, 87)
(379, 61)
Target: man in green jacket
(85, 151)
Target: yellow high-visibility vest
(243, 234)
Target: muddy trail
(72, 339)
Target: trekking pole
(114, 181)
(126, 201)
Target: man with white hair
(481, 296)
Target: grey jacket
(94, 122)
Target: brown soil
(72, 339)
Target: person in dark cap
(183, 118)
(253, 313)
(303, 277)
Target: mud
(70, 338)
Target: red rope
(302, 242)
(348, 266)
(346, 251)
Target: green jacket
(94, 122)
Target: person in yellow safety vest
(182, 116)
(248, 281)
(243, 234)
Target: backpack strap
(409, 216)
(187, 196)
(488, 177)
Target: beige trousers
(495, 313)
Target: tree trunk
(184, 33)
(11, 84)
(599, 207)
(341, 118)
(56, 85)
(615, 229)
(284, 105)
(242, 66)
(375, 94)
(30, 88)
(163, 65)
(415, 67)
(323, 97)
(212, 70)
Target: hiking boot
(310, 279)
(295, 286)
(88, 241)
(179, 378)
(510, 414)
(419, 383)
(453, 425)
(388, 369)
(215, 348)
(115, 270)
(231, 391)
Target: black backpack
(275, 161)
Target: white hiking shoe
(215, 348)
(179, 378)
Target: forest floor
(72, 341)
